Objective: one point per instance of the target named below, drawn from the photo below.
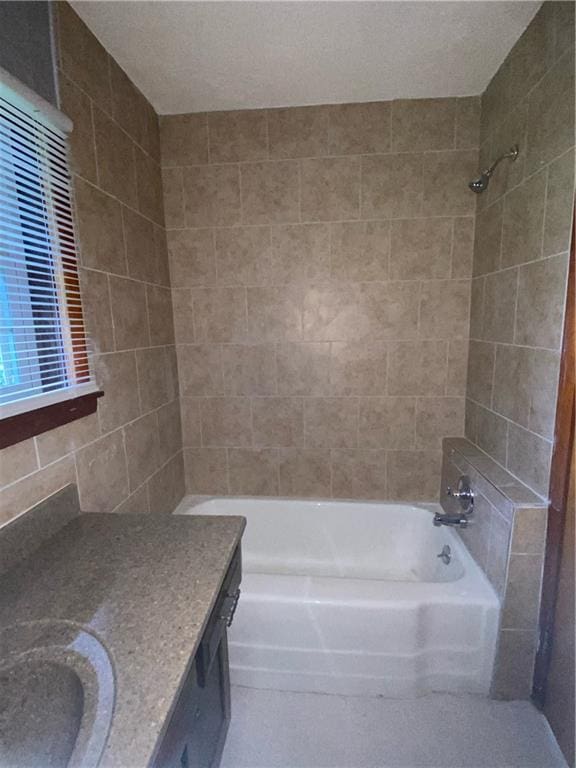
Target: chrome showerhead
(479, 185)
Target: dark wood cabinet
(197, 730)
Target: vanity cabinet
(197, 730)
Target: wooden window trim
(22, 426)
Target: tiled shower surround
(127, 456)
(521, 250)
(321, 260)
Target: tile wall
(521, 249)
(321, 262)
(506, 535)
(127, 456)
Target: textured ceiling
(196, 56)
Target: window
(43, 351)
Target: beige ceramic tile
(298, 132)
(551, 114)
(423, 124)
(243, 255)
(102, 473)
(457, 372)
(421, 249)
(303, 369)
(330, 189)
(304, 473)
(491, 433)
(76, 105)
(253, 472)
(136, 504)
(358, 129)
(96, 310)
(436, 418)
(532, 55)
(445, 309)
(238, 136)
(211, 195)
(331, 422)
(128, 104)
(487, 240)
(173, 188)
(249, 369)
(274, 314)
(360, 251)
(117, 378)
(477, 307)
(200, 370)
(278, 422)
(55, 443)
(149, 186)
(140, 246)
(391, 186)
(511, 132)
(128, 299)
(541, 299)
(142, 449)
(32, 489)
(220, 314)
(169, 431)
(183, 316)
(522, 600)
(480, 371)
(166, 487)
(514, 665)
(358, 369)
(82, 57)
(467, 122)
(529, 458)
(270, 192)
(160, 319)
(499, 309)
(522, 222)
(413, 475)
(445, 179)
(152, 383)
(359, 474)
(529, 531)
(417, 367)
(386, 422)
(116, 166)
(206, 470)
(184, 139)
(558, 213)
(192, 257)
(17, 461)
(300, 252)
(190, 416)
(99, 229)
(226, 422)
(463, 246)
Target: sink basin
(57, 699)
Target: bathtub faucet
(465, 496)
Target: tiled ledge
(506, 536)
(485, 469)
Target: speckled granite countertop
(145, 586)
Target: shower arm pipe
(512, 154)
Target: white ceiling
(196, 56)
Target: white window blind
(43, 355)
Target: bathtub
(351, 598)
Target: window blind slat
(43, 347)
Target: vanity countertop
(144, 586)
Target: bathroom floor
(279, 729)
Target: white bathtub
(347, 597)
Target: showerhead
(479, 185)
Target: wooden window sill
(22, 426)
